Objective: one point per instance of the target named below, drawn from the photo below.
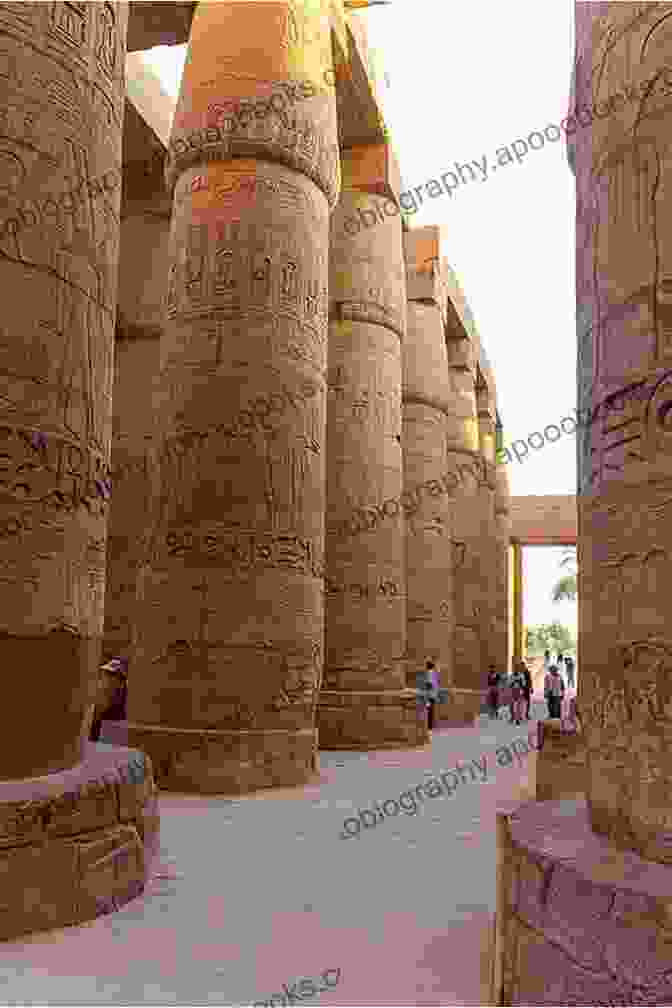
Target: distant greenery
(549, 637)
(567, 587)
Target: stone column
(518, 619)
(489, 549)
(364, 703)
(624, 276)
(78, 825)
(61, 113)
(142, 276)
(502, 540)
(613, 852)
(430, 554)
(464, 458)
(227, 660)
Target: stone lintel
(371, 168)
(359, 117)
(422, 249)
(154, 24)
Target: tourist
(569, 669)
(560, 662)
(493, 692)
(527, 676)
(554, 690)
(547, 661)
(517, 684)
(112, 704)
(430, 685)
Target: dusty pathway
(264, 891)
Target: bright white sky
(461, 86)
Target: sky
(459, 87)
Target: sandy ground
(255, 892)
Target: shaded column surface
(501, 646)
(489, 551)
(363, 702)
(624, 279)
(463, 457)
(430, 554)
(142, 280)
(61, 104)
(227, 656)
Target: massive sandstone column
(501, 645)
(364, 703)
(227, 660)
(615, 853)
(142, 278)
(469, 583)
(430, 554)
(77, 824)
(488, 546)
(624, 278)
(61, 115)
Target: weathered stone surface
(142, 280)
(360, 719)
(582, 923)
(624, 265)
(561, 763)
(431, 552)
(77, 843)
(232, 577)
(61, 103)
(365, 629)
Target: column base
(462, 706)
(209, 761)
(561, 762)
(368, 719)
(76, 844)
(579, 923)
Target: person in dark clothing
(112, 705)
(432, 687)
(569, 669)
(493, 692)
(527, 689)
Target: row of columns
(283, 393)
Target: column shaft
(61, 111)
(364, 703)
(227, 660)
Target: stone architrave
(430, 552)
(227, 655)
(624, 279)
(364, 702)
(61, 116)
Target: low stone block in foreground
(76, 844)
(579, 923)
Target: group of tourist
(520, 685)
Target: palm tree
(566, 588)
